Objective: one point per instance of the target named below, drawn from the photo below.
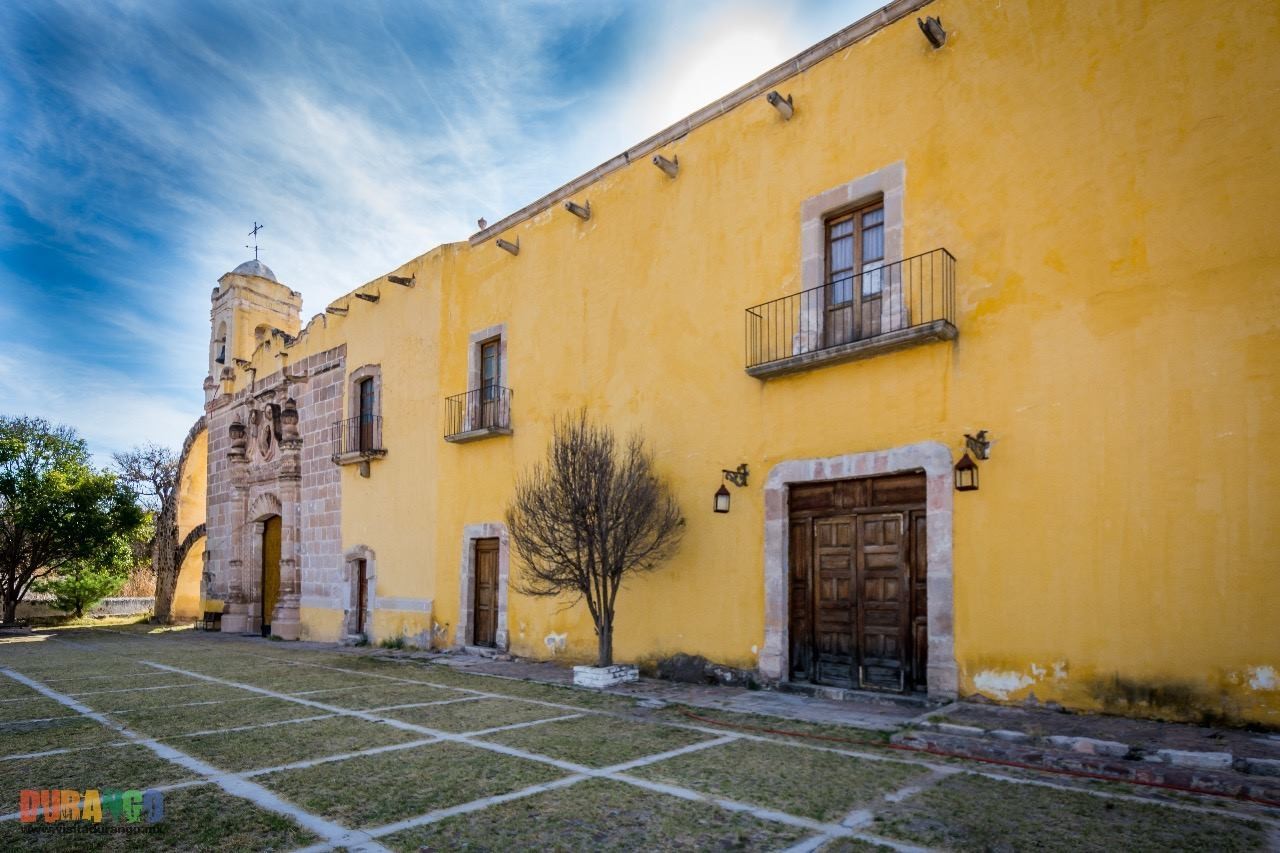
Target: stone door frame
(351, 576)
(465, 632)
(935, 460)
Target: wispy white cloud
(147, 137)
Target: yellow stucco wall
(1104, 176)
(193, 481)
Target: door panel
(885, 599)
(834, 600)
(919, 601)
(800, 546)
(486, 592)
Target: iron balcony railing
(361, 435)
(877, 303)
(487, 408)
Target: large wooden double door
(858, 608)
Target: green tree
(81, 584)
(55, 509)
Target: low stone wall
(36, 608)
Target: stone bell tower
(247, 304)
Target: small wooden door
(486, 592)
(270, 570)
(362, 594)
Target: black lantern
(722, 499)
(966, 472)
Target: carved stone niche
(239, 439)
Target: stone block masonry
(269, 454)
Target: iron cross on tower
(254, 235)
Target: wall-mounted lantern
(966, 474)
(738, 476)
(722, 499)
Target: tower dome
(255, 267)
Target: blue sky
(139, 141)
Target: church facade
(973, 319)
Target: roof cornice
(855, 32)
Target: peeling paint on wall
(556, 642)
(1000, 684)
(1263, 678)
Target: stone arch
(264, 506)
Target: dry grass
(474, 715)
(968, 812)
(380, 696)
(201, 818)
(62, 733)
(805, 782)
(272, 746)
(598, 741)
(109, 767)
(165, 722)
(599, 815)
(379, 789)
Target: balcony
(478, 414)
(357, 439)
(893, 306)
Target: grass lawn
(163, 722)
(109, 767)
(37, 708)
(784, 774)
(62, 733)
(475, 715)
(379, 789)
(598, 741)
(272, 746)
(599, 815)
(169, 697)
(819, 785)
(967, 812)
(201, 818)
(385, 694)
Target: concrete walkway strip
(332, 833)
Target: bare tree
(589, 517)
(151, 470)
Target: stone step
(1207, 772)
